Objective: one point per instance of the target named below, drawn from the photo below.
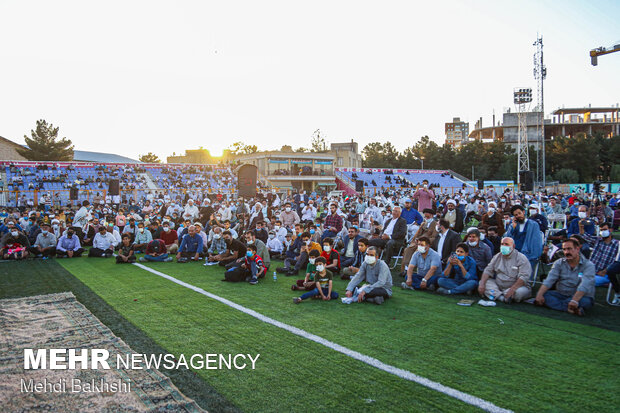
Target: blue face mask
(461, 257)
(249, 254)
(312, 231)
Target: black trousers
(96, 252)
(76, 253)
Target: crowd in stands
(488, 242)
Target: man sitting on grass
(126, 251)
(507, 276)
(191, 246)
(427, 266)
(331, 256)
(69, 245)
(45, 244)
(459, 277)
(14, 244)
(360, 255)
(156, 251)
(103, 244)
(573, 277)
(142, 238)
(308, 283)
(375, 272)
(323, 279)
(293, 265)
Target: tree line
(582, 158)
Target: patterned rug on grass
(59, 321)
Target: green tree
(566, 176)
(149, 158)
(378, 155)
(44, 145)
(317, 144)
(614, 175)
(240, 148)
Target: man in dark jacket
(446, 241)
(454, 216)
(393, 236)
(349, 251)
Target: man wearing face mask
(445, 243)
(274, 246)
(218, 245)
(604, 252)
(378, 277)
(261, 248)
(572, 280)
(478, 250)
(69, 245)
(103, 244)
(14, 244)
(45, 244)
(170, 238)
(540, 219)
(581, 221)
(424, 268)
(454, 216)
(142, 239)
(235, 250)
(131, 229)
(292, 265)
(425, 196)
(393, 236)
(526, 234)
(492, 218)
(507, 276)
(289, 217)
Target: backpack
(235, 275)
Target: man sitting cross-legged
(191, 246)
(459, 277)
(126, 251)
(377, 274)
(426, 263)
(103, 244)
(156, 251)
(308, 283)
(293, 265)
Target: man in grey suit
(393, 237)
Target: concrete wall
(8, 152)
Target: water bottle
(275, 276)
(492, 295)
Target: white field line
(403, 374)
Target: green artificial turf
(519, 357)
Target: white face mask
(327, 248)
(217, 236)
(271, 236)
(605, 233)
(472, 243)
(14, 233)
(276, 227)
(533, 211)
(141, 229)
(287, 209)
(311, 260)
(166, 229)
(482, 236)
(370, 260)
(491, 210)
(320, 268)
(308, 242)
(55, 226)
(421, 249)
(250, 242)
(582, 215)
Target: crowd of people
(488, 242)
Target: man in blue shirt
(526, 234)
(427, 265)
(191, 246)
(460, 274)
(410, 214)
(582, 219)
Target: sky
(131, 77)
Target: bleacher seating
(396, 179)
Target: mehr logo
(58, 358)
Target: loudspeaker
(527, 180)
(114, 187)
(246, 180)
(480, 184)
(73, 193)
(359, 186)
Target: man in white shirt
(191, 211)
(308, 213)
(274, 245)
(81, 219)
(103, 244)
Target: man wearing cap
(454, 216)
(526, 234)
(492, 218)
(45, 244)
(190, 211)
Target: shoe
(108, 255)
(103, 255)
(371, 299)
(507, 300)
(294, 287)
(291, 273)
(379, 300)
(169, 259)
(281, 270)
(296, 300)
(45, 258)
(443, 291)
(404, 286)
(431, 288)
(616, 300)
(142, 259)
(254, 281)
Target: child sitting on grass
(126, 251)
(308, 284)
(323, 281)
(331, 256)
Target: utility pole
(540, 73)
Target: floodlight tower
(540, 73)
(522, 99)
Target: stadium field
(518, 357)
